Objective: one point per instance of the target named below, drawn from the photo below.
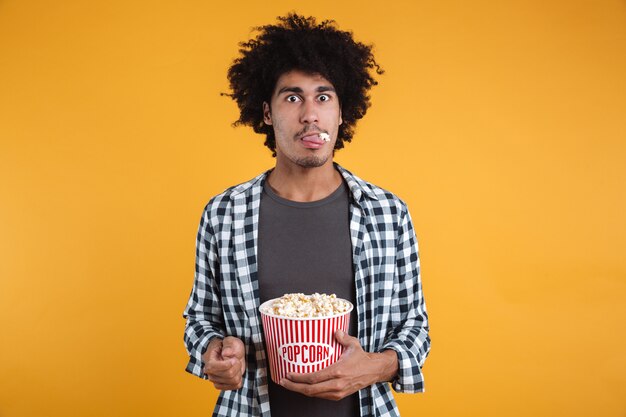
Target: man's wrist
(386, 364)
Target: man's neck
(300, 184)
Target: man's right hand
(224, 363)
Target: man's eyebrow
(323, 88)
(289, 90)
(320, 89)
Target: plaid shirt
(390, 305)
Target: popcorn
(299, 332)
(301, 306)
(325, 137)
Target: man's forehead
(296, 79)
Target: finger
(220, 367)
(346, 340)
(225, 379)
(233, 347)
(325, 374)
(228, 387)
(331, 390)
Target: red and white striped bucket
(302, 345)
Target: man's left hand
(355, 369)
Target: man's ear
(267, 117)
(340, 119)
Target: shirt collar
(359, 189)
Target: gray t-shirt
(306, 247)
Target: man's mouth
(312, 141)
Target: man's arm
(355, 369)
(204, 308)
(404, 350)
(408, 335)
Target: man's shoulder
(219, 204)
(375, 196)
(386, 196)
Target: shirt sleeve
(408, 336)
(204, 308)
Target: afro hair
(300, 43)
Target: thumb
(345, 339)
(232, 347)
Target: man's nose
(309, 113)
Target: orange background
(501, 124)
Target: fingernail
(340, 333)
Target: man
(308, 225)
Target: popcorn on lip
(325, 137)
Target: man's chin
(311, 162)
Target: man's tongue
(313, 139)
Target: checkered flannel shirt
(391, 311)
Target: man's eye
(324, 97)
(293, 99)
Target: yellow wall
(502, 124)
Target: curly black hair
(299, 43)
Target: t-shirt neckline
(341, 190)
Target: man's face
(302, 106)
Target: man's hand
(355, 369)
(224, 363)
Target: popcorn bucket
(302, 345)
